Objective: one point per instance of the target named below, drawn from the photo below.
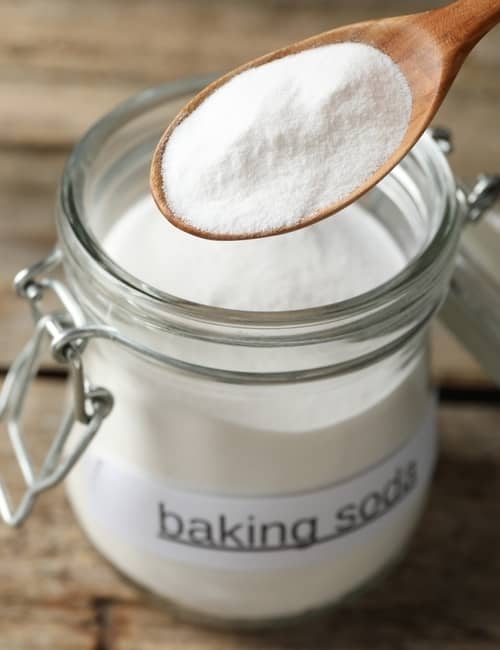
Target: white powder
(328, 262)
(280, 142)
(202, 437)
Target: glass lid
(472, 309)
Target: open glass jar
(254, 466)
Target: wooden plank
(104, 39)
(64, 111)
(75, 61)
(101, 39)
(28, 627)
(28, 184)
(355, 629)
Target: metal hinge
(88, 407)
(486, 190)
(483, 196)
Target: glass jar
(254, 466)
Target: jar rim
(390, 292)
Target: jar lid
(472, 309)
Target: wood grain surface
(60, 69)
(62, 64)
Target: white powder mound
(279, 142)
(328, 262)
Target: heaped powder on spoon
(279, 142)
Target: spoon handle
(462, 24)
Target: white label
(260, 532)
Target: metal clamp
(483, 196)
(486, 190)
(443, 138)
(89, 405)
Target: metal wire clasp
(486, 190)
(483, 196)
(88, 407)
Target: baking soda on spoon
(283, 140)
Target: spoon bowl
(429, 49)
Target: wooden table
(62, 64)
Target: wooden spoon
(429, 48)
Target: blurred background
(63, 64)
